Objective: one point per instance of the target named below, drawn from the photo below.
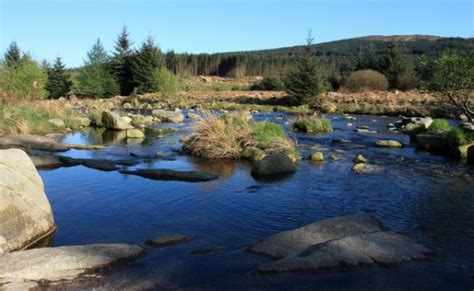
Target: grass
(312, 124)
(32, 117)
(227, 136)
(459, 137)
(440, 125)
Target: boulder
(173, 175)
(26, 217)
(253, 154)
(461, 152)
(334, 158)
(317, 157)
(358, 167)
(168, 116)
(112, 120)
(32, 142)
(42, 161)
(274, 166)
(135, 133)
(194, 116)
(61, 263)
(98, 164)
(360, 159)
(339, 243)
(81, 121)
(433, 141)
(56, 122)
(416, 121)
(388, 143)
(168, 239)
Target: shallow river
(427, 197)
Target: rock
(168, 239)
(204, 251)
(32, 142)
(98, 164)
(168, 116)
(26, 217)
(127, 119)
(135, 133)
(62, 263)
(412, 126)
(433, 141)
(293, 242)
(87, 147)
(127, 105)
(463, 117)
(360, 159)
(461, 152)
(363, 127)
(334, 158)
(253, 154)
(340, 243)
(349, 117)
(274, 166)
(42, 161)
(56, 122)
(317, 157)
(154, 131)
(173, 175)
(466, 125)
(194, 116)
(81, 121)
(358, 167)
(417, 121)
(340, 140)
(111, 120)
(388, 143)
(470, 155)
(366, 130)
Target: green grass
(440, 125)
(312, 124)
(458, 137)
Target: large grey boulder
(337, 244)
(26, 217)
(61, 263)
(274, 166)
(112, 120)
(168, 116)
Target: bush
(312, 124)
(165, 82)
(24, 81)
(95, 81)
(458, 137)
(270, 83)
(440, 125)
(226, 137)
(366, 80)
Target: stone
(194, 116)
(360, 159)
(168, 239)
(98, 164)
(274, 166)
(461, 152)
(161, 131)
(56, 122)
(388, 143)
(112, 120)
(173, 175)
(204, 251)
(62, 263)
(81, 121)
(338, 244)
(135, 133)
(42, 161)
(168, 116)
(358, 167)
(253, 154)
(32, 142)
(433, 142)
(317, 157)
(334, 158)
(417, 121)
(26, 217)
(349, 117)
(87, 147)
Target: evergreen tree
(398, 68)
(94, 78)
(144, 64)
(58, 83)
(304, 84)
(12, 55)
(121, 62)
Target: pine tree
(145, 62)
(398, 68)
(94, 79)
(121, 62)
(304, 84)
(58, 83)
(13, 55)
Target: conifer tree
(121, 62)
(145, 62)
(13, 55)
(58, 83)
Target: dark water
(428, 197)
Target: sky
(67, 28)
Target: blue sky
(67, 28)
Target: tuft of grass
(440, 125)
(227, 136)
(459, 137)
(312, 124)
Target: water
(428, 197)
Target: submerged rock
(358, 167)
(389, 143)
(173, 175)
(433, 141)
(61, 263)
(335, 244)
(274, 166)
(98, 164)
(168, 116)
(26, 217)
(42, 161)
(168, 239)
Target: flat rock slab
(33, 142)
(61, 263)
(168, 240)
(98, 164)
(338, 244)
(45, 161)
(173, 175)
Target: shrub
(366, 80)
(165, 82)
(440, 125)
(312, 124)
(270, 83)
(23, 81)
(458, 137)
(226, 137)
